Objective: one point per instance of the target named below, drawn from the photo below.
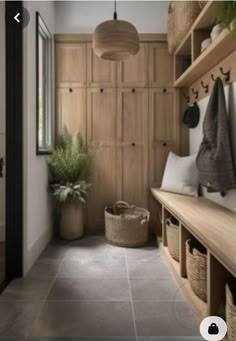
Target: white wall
(2, 117)
(37, 208)
(84, 16)
(196, 137)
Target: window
(44, 87)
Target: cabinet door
(134, 70)
(71, 109)
(100, 72)
(161, 71)
(102, 133)
(71, 64)
(133, 146)
(163, 130)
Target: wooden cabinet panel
(133, 146)
(102, 131)
(134, 70)
(100, 72)
(71, 61)
(163, 130)
(71, 110)
(161, 71)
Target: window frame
(48, 131)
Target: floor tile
(93, 269)
(54, 251)
(155, 289)
(94, 319)
(17, 318)
(164, 319)
(106, 289)
(27, 289)
(146, 252)
(45, 268)
(148, 268)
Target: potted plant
(69, 166)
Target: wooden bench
(215, 227)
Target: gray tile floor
(90, 290)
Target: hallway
(91, 290)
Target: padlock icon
(213, 329)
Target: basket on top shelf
(196, 264)
(172, 232)
(181, 16)
(126, 225)
(231, 310)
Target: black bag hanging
(191, 116)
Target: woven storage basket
(181, 16)
(172, 231)
(126, 225)
(230, 313)
(196, 263)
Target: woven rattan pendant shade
(115, 40)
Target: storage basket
(231, 312)
(172, 232)
(196, 263)
(181, 16)
(126, 225)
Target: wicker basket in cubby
(172, 232)
(231, 311)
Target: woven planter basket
(181, 16)
(230, 313)
(126, 225)
(196, 263)
(172, 231)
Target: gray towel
(214, 160)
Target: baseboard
(36, 249)
(2, 233)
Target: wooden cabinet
(161, 71)
(163, 130)
(134, 70)
(71, 60)
(132, 127)
(100, 72)
(102, 131)
(71, 110)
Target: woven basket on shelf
(172, 232)
(196, 263)
(126, 225)
(230, 314)
(181, 16)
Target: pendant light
(115, 39)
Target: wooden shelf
(198, 306)
(219, 49)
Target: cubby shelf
(201, 63)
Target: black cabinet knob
(164, 90)
(101, 90)
(133, 90)
(133, 144)
(164, 144)
(70, 90)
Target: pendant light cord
(115, 13)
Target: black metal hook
(205, 86)
(213, 78)
(187, 98)
(226, 74)
(195, 93)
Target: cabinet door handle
(133, 144)
(133, 90)
(101, 90)
(71, 90)
(164, 144)
(164, 90)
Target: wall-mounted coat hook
(226, 74)
(205, 86)
(195, 93)
(213, 78)
(187, 98)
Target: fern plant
(227, 13)
(69, 166)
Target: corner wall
(229, 200)
(37, 204)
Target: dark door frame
(14, 141)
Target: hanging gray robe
(214, 159)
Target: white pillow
(180, 175)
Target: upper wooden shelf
(201, 63)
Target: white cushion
(180, 175)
